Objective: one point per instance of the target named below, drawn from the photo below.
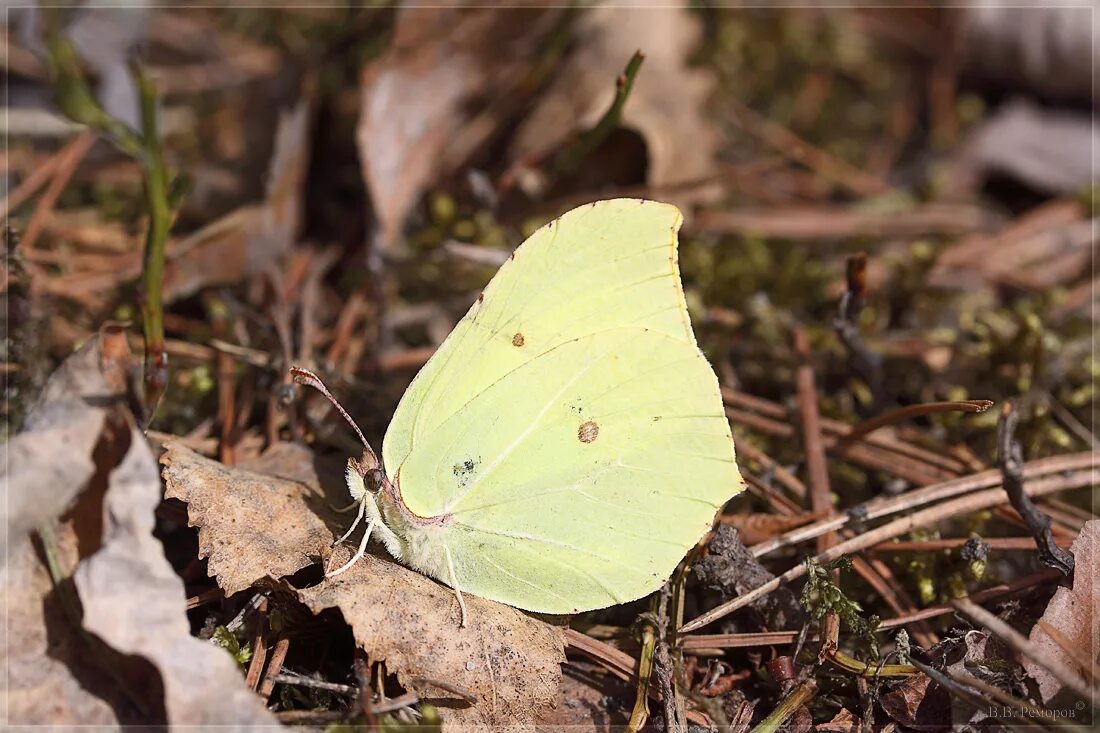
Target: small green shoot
(821, 596)
(224, 638)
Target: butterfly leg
(358, 519)
(359, 553)
(454, 586)
(344, 509)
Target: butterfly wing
(569, 430)
(580, 479)
(607, 264)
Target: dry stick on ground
(816, 469)
(782, 475)
(1040, 654)
(1010, 458)
(769, 638)
(908, 413)
(875, 451)
(259, 649)
(275, 666)
(364, 695)
(951, 543)
(293, 678)
(956, 507)
(878, 508)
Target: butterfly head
(365, 474)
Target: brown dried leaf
(50, 459)
(757, 527)
(667, 102)
(843, 722)
(1074, 615)
(134, 601)
(918, 703)
(251, 525)
(508, 660)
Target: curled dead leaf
(45, 657)
(252, 526)
(134, 601)
(50, 460)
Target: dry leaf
(1051, 150)
(251, 526)
(51, 680)
(843, 722)
(135, 602)
(666, 104)
(918, 703)
(1048, 49)
(50, 460)
(757, 527)
(416, 99)
(508, 660)
(1073, 615)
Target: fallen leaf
(51, 680)
(417, 98)
(252, 526)
(918, 703)
(665, 106)
(1074, 616)
(134, 602)
(50, 460)
(757, 527)
(508, 660)
(843, 722)
(1050, 150)
(1045, 49)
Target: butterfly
(566, 445)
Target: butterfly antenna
(307, 378)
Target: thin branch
(293, 678)
(1010, 458)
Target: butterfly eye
(374, 479)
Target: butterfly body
(566, 445)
